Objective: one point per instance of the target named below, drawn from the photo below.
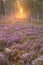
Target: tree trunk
(2, 8)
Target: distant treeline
(35, 6)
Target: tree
(36, 8)
(2, 9)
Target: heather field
(21, 43)
(21, 32)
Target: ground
(21, 44)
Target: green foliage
(36, 7)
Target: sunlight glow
(21, 10)
(20, 14)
